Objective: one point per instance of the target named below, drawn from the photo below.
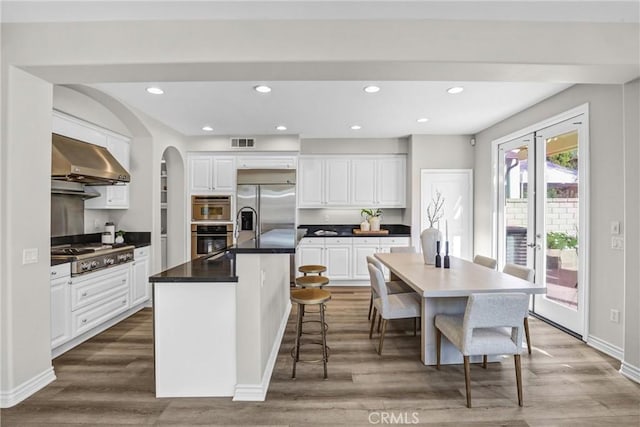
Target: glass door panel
(516, 202)
(559, 178)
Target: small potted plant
(372, 216)
(120, 236)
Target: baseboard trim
(18, 394)
(605, 347)
(258, 392)
(630, 371)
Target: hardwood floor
(109, 381)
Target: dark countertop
(135, 238)
(395, 230)
(217, 268)
(272, 242)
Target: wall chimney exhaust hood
(74, 160)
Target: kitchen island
(219, 321)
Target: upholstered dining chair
(491, 324)
(485, 261)
(393, 287)
(395, 306)
(527, 274)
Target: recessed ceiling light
(262, 89)
(281, 127)
(371, 89)
(155, 90)
(207, 128)
(356, 127)
(455, 89)
(422, 120)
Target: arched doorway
(172, 209)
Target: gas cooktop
(93, 256)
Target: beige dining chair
(485, 261)
(491, 324)
(527, 274)
(393, 287)
(391, 306)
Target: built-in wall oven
(210, 238)
(211, 208)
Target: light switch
(617, 243)
(30, 256)
(615, 227)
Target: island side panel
(195, 339)
(263, 309)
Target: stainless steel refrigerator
(266, 206)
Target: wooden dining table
(445, 291)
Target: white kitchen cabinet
(113, 196)
(210, 174)
(98, 297)
(360, 253)
(338, 258)
(391, 182)
(379, 182)
(363, 178)
(72, 127)
(310, 251)
(324, 182)
(60, 304)
(266, 162)
(310, 182)
(140, 276)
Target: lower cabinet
(345, 258)
(140, 276)
(60, 308)
(84, 302)
(97, 297)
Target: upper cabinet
(352, 181)
(111, 196)
(323, 182)
(211, 174)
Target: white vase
(428, 239)
(374, 222)
(119, 239)
(364, 226)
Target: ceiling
(327, 108)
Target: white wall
(432, 152)
(25, 289)
(606, 192)
(354, 146)
(631, 230)
(285, 143)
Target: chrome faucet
(257, 227)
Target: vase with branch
(430, 236)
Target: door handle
(532, 245)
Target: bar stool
(304, 297)
(311, 281)
(312, 269)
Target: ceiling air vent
(243, 142)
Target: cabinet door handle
(69, 282)
(53, 273)
(84, 321)
(84, 294)
(124, 280)
(124, 301)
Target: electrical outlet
(326, 218)
(614, 316)
(30, 256)
(617, 243)
(615, 227)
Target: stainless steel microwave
(211, 208)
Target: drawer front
(338, 241)
(395, 241)
(313, 241)
(60, 270)
(98, 289)
(369, 241)
(141, 252)
(96, 314)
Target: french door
(541, 199)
